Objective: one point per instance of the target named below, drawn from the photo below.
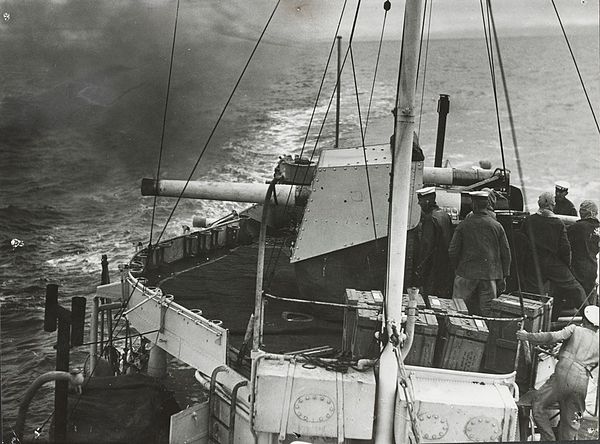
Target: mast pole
(398, 215)
(338, 92)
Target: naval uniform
(584, 236)
(433, 270)
(565, 207)
(577, 357)
(480, 252)
(550, 252)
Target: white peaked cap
(592, 314)
(479, 194)
(425, 191)
(562, 185)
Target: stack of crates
(443, 306)
(502, 344)
(426, 329)
(464, 345)
(422, 350)
(461, 342)
(420, 302)
(361, 323)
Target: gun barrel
(455, 176)
(234, 192)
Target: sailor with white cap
(563, 205)
(426, 191)
(577, 357)
(432, 271)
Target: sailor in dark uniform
(433, 270)
(563, 205)
(550, 254)
(584, 236)
(577, 357)
(480, 254)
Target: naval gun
(339, 206)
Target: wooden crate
(464, 345)
(445, 306)
(501, 348)
(500, 355)
(420, 301)
(361, 323)
(509, 306)
(423, 348)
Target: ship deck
(224, 290)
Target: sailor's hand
(522, 335)
(500, 285)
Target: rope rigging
(485, 15)
(164, 122)
(271, 264)
(426, 12)
(386, 6)
(509, 109)
(364, 149)
(281, 244)
(576, 66)
(321, 128)
(216, 125)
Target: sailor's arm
(504, 252)
(546, 337)
(564, 247)
(454, 249)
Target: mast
(398, 214)
(338, 92)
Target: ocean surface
(81, 117)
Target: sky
(314, 19)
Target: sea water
(81, 122)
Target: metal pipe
(443, 109)
(124, 272)
(236, 192)
(63, 345)
(110, 327)
(233, 409)
(101, 329)
(110, 306)
(258, 296)
(149, 298)
(398, 214)
(94, 334)
(105, 278)
(32, 390)
(51, 307)
(157, 362)
(410, 322)
(338, 89)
